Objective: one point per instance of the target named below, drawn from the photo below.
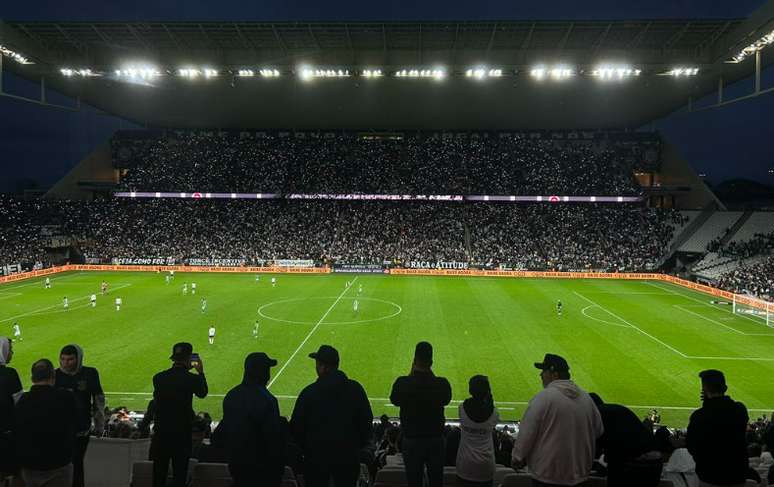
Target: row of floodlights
(539, 73)
(753, 48)
(18, 57)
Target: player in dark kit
(559, 308)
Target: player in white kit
(93, 300)
(167, 278)
(355, 306)
(17, 332)
(66, 303)
(185, 288)
(204, 305)
(211, 334)
(359, 289)
(118, 304)
(48, 283)
(193, 288)
(273, 282)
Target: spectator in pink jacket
(559, 429)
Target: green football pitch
(639, 343)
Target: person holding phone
(173, 391)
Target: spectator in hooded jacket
(716, 434)
(478, 418)
(558, 432)
(331, 422)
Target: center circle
(397, 309)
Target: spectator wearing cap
(716, 434)
(559, 429)
(331, 422)
(250, 430)
(45, 423)
(173, 391)
(10, 392)
(84, 383)
(421, 397)
(629, 447)
(478, 418)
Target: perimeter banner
(359, 268)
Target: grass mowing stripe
(325, 315)
(41, 310)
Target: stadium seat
(517, 480)
(391, 476)
(110, 462)
(211, 475)
(500, 473)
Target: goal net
(754, 308)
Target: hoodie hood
(79, 359)
(5, 348)
(566, 387)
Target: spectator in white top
(478, 417)
(559, 429)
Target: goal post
(754, 308)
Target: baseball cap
(181, 351)
(259, 360)
(554, 363)
(326, 354)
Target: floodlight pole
(757, 71)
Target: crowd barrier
(719, 293)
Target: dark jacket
(625, 436)
(332, 420)
(86, 388)
(173, 391)
(9, 386)
(250, 431)
(45, 424)
(716, 440)
(421, 398)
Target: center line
(325, 315)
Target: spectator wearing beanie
(716, 434)
(331, 422)
(251, 432)
(45, 424)
(478, 417)
(421, 397)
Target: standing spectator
(84, 383)
(10, 391)
(716, 434)
(421, 397)
(629, 447)
(173, 391)
(45, 423)
(478, 418)
(559, 428)
(331, 422)
(251, 433)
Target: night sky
(41, 145)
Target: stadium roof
(513, 101)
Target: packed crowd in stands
(565, 436)
(349, 163)
(535, 237)
(756, 279)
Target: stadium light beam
(246, 73)
(371, 73)
(308, 73)
(556, 73)
(16, 56)
(681, 71)
(434, 73)
(269, 73)
(610, 72)
(83, 73)
(132, 72)
(480, 73)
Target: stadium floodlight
(557, 73)
(269, 73)
(308, 73)
(16, 56)
(190, 73)
(83, 73)
(210, 73)
(138, 72)
(371, 73)
(435, 73)
(245, 73)
(753, 48)
(610, 72)
(681, 71)
(481, 73)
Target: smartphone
(194, 359)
